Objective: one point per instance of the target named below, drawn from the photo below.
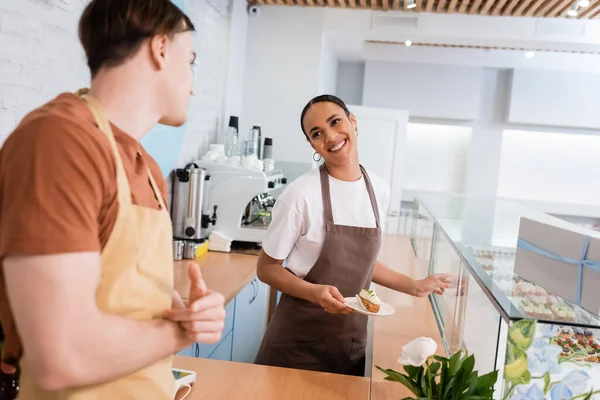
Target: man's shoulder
(61, 125)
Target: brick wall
(40, 56)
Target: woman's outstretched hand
(437, 284)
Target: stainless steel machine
(190, 212)
(244, 200)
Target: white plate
(357, 305)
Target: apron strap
(371, 196)
(156, 190)
(326, 195)
(123, 190)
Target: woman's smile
(337, 145)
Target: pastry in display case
(496, 262)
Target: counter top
(225, 273)
(230, 273)
(230, 380)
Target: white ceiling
(348, 32)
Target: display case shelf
(475, 242)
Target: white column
(484, 156)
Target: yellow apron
(136, 282)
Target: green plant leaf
(448, 387)
(413, 372)
(464, 377)
(403, 379)
(425, 386)
(484, 385)
(455, 363)
(434, 368)
(443, 379)
(441, 359)
(468, 364)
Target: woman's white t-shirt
(297, 229)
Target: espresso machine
(244, 200)
(190, 212)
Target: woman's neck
(349, 172)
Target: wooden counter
(228, 380)
(225, 273)
(230, 273)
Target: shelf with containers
(543, 345)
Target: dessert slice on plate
(370, 300)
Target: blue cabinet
(205, 350)
(223, 350)
(250, 321)
(245, 326)
(189, 352)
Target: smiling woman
(326, 225)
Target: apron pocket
(358, 349)
(357, 357)
(302, 355)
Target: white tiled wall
(40, 57)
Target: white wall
(484, 152)
(555, 98)
(436, 158)
(40, 57)
(236, 60)
(283, 72)
(428, 91)
(329, 68)
(562, 168)
(350, 82)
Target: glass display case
(543, 346)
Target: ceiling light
(411, 4)
(530, 54)
(572, 12)
(408, 43)
(584, 3)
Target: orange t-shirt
(58, 188)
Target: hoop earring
(317, 155)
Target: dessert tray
(578, 344)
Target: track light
(572, 12)
(411, 4)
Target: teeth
(339, 146)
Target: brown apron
(304, 336)
(137, 269)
